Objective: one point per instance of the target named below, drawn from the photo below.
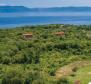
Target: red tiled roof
(59, 33)
(29, 33)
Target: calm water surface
(38, 18)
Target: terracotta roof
(59, 33)
(29, 33)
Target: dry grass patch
(71, 68)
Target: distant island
(9, 9)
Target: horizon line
(45, 7)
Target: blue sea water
(21, 19)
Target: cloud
(2, 4)
(6, 4)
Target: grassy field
(77, 71)
(83, 75)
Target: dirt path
(69, 69)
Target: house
(77, 82)
(28, 35)
(60, 33)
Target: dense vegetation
(34, 61)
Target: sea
(10, 20)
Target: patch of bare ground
(69, 69)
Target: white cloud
(3, 4)
(6, 4)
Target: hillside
(33, 54)
(10, 9)
(63, 9)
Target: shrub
(63, 81)
(75, 69)
(52, 72)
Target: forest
(35, 59)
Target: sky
(46, 3)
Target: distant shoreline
(14, 9)
(21, 26)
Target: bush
(73, 75)
(63, 81)
(75, 69)
(52, 72)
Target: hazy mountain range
(9, 9)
